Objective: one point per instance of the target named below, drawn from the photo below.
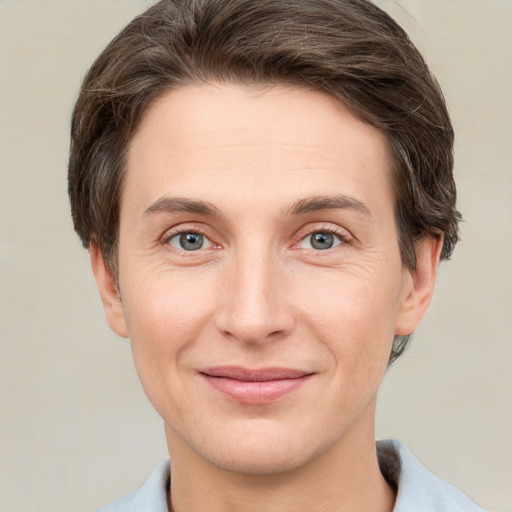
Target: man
(266, 191)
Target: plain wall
(76, 430)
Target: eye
(321, 241)
(189, 241)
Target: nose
(254, 307)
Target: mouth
(260, 386)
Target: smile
(254, 387)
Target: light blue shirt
(418, 489)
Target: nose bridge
(254, 306)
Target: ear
(418, 285)
(109, 292)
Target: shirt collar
(417, 488)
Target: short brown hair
(350, 49)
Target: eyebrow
(301, 207)
(182, 204)
(317, 203)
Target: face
(259, 272)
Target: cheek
(165, 318)
(165, 314)
(355, 315)
(161, 299)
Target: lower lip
(248, 392)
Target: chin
(258, 460)
(261, 451)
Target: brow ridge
(300, 207)
(182, 204)
(317, 203)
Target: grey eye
(322, 241)
(188, 241)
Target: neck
(345, 477)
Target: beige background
(75, 428)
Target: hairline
(258, 85)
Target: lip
(254, 386)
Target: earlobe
(109, 292)
(419, 285)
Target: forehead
(235, 138)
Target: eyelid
(323, 227)
(343, 234)
(180, 229)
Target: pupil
(322, 240)
(191, 241)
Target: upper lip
(253, 375)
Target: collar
(418, 490)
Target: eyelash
(173, 233)
(341, 234)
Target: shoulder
(418, 489)
(151, 497)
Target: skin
(256, 172)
